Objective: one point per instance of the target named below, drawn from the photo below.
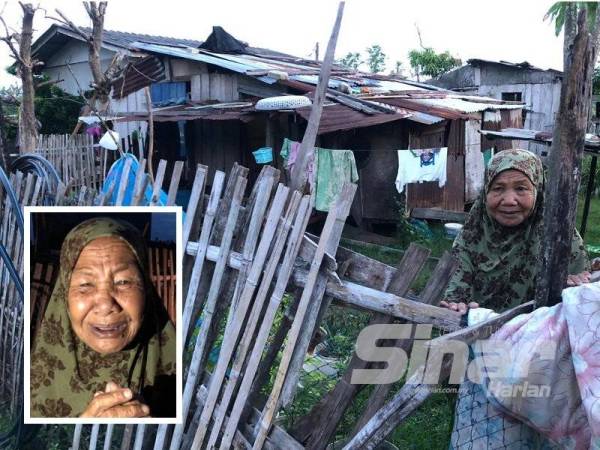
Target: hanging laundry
(334, 168)
(289, 152)
(327, 171)
(421, 165)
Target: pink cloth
(570, 414)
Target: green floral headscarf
(65, 372)
(497, 264)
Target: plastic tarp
(115, 174)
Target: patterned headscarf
(497, 264)
(65, 372)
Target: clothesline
(396, 149)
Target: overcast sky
(498, 30)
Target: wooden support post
(564, 169)
(307, 147)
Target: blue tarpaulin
(116, 172)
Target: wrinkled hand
(578, 279)
(115, 402)
(458, 307)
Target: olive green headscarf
(65, 372)
(497, 264)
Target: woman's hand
(578, 279)
(115, 402)
(461, 307)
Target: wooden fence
(242, 254)
(77, 160)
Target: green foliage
(429, 63)
(558, 11)
(592, 233)
(352, 60)
(376, 58)
(10, 110)
(585, 175)
(56, 110)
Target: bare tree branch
(9, 38)
(48, 83)
(65, 21)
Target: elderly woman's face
(510, 198)
(106, 295)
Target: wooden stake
(299, 175)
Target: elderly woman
(499, 246)
(106, 347)
(498, 251)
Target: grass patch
(592, 233)
(430, 426)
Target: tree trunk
(27, 122)
(564, 166)
(101, 84)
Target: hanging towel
(334, 168)
(289, 152)
(421, 165)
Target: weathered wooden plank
(108, 436)
(123, 183)
(209, 217)
(127, 436)
(94, 436)
(241, 351)
(431, 295)
(193, 213)
(301, 220)
(140, 183)
(232, 331)
(174, 185)
(302, 327)
(299, 172)
(318, 427)
(209, 308)
(438, 214)
(439, 279)
(77, 436)
(158, 181)
(564, 166)
(139, 436)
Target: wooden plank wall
(428, 195)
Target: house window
(511, 96)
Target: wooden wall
(428, 194)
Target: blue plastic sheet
(116, 173)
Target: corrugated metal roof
(138, 75)
(337, 117)
(464, 106)
(592, 143)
